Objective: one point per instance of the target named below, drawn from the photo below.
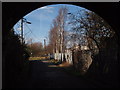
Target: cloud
(47, 8)
(45, 13)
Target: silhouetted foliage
(15, 56)
(88, 26)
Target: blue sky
(41, 20)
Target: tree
(15, 58)
(36, 49)
(57, 32)
(91, 27)
(53, 36)
(93, 30)
(61, 20)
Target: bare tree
(87, 24)
(57, 32)
(53, 36)
(36, 49)
(92, 29)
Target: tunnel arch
(13, 12)
(96, 9)
(17, 10)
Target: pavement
(43, 74)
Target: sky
(41, 20)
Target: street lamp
(22, 21)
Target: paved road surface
(42, 76)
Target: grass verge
(37, 58)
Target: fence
(67, 56)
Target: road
(43, 76)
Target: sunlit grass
(38, 58)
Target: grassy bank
(38, 58)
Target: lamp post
(22, 21)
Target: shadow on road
(40, 75)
